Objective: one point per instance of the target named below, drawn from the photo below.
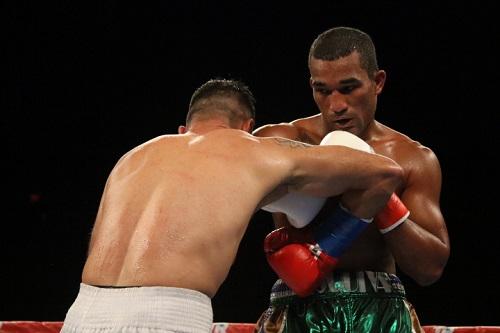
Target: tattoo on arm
(291, 143)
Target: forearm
(418, 253)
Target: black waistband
(366, 282)
(113, 287)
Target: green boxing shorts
(346, 302)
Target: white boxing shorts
(139, 309)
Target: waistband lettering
(346, 282)
(378, 282)
(357, 282)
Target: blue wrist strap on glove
(338, 231)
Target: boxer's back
(174, 211)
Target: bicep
(422, 194)
(326, 171)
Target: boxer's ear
(248, 125)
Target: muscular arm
(283, 130)
(326, 170)
(421, 246)
(362, 178)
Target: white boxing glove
(301, 209)
(343, 138)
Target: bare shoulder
(284, 130)
(309, 124)
(408, 152)
(226, 137)
(284, 142)
(143, 147)
(415, 148)
(231, 140)
(302, 129)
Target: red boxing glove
(393, 214)
(298, 263)
(280, 237)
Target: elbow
(432, 272)
(430, 277)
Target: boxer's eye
(347, 89)
(323, 91)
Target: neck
(202, 127)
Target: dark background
(85, 82)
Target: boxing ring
(55, 327)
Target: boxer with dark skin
(175, 209)
(346, 82)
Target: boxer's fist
(301, 267)
(300, 209)
(302, 259)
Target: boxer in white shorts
(175, 209)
